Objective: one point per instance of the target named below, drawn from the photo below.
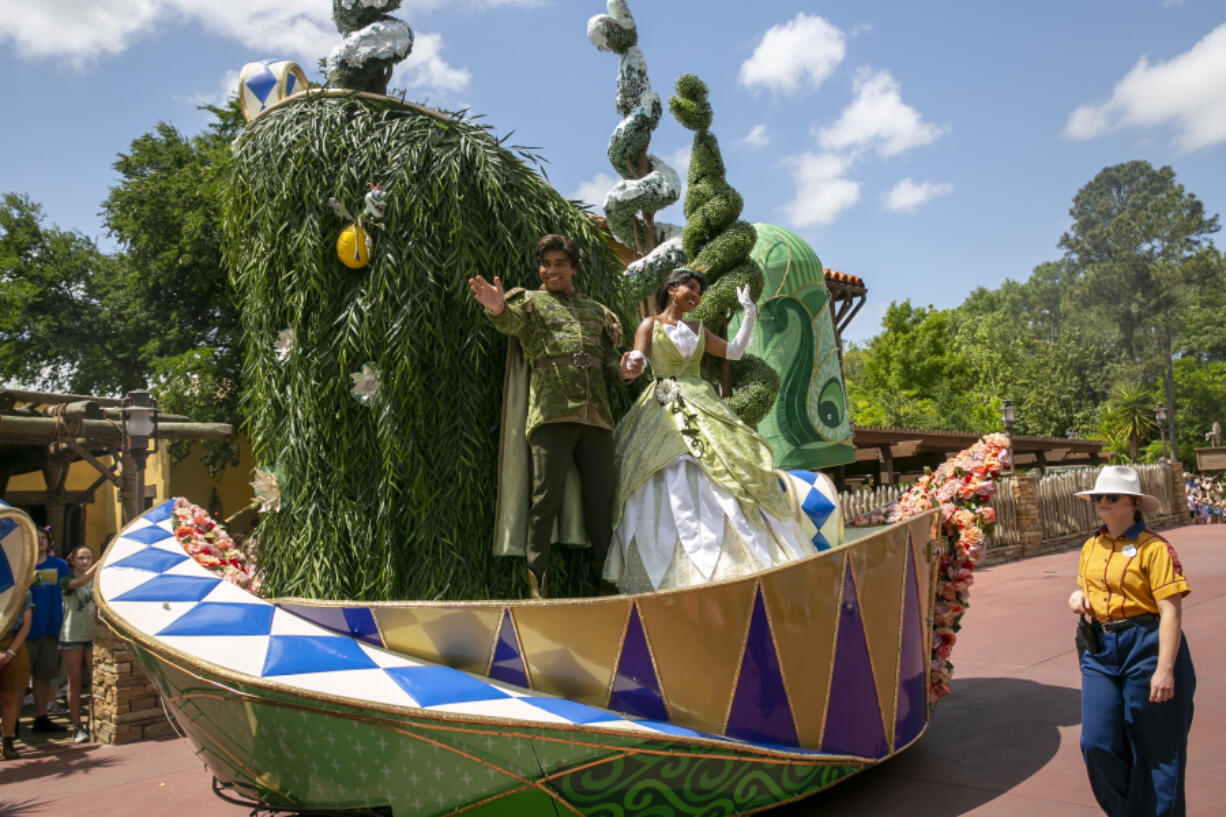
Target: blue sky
(927, 147)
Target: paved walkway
(1003, 744)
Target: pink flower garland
(960, 487)
(209, 544)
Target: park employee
(572, 346)
(1137, 681)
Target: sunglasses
(1109, 497)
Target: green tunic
(550, 326)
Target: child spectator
(43, 641)
(77, 633)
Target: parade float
(374, 389)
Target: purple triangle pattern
(636, 691)
(853, 714)
(760, 710)
(912, 707)
(508, 664)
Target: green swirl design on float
(662, 786)
(778, 315)
(719, 244)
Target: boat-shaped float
(724, 698)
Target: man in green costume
(571, 345)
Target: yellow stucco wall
(187, 479)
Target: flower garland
(960, 487)
(209, 544)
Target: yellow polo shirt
(1127, 576)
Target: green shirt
(79, 612)
(550, 327)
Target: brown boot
(10, 751)
(536, 589)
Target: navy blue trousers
(1135, 751)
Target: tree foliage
(1140, 286)
(157, 312)
(59, 302)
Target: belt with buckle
(1124, 623)
(580, 360)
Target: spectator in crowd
(14, 670)
(44, 639)
(77, 632)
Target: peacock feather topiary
(718, 244)
(379, 409)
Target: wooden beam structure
(891, 455)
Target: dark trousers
(554, 447)
(1135, 751)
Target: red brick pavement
(1003, 744)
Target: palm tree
(1129, 414)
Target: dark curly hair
(678, 276)
(558, 242)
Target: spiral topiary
(374, 42)
(647, 183)
(719, 245)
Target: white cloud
(226, 87)
(796, 56)
(593, 190)
(79, 31)
(906, 196)
(426, 68)
(756, 138)
(679, 160)
(1186, 93)
(822, 192)
(878, 116)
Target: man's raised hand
(488, 295)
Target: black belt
(580, 360)
(1124, 623)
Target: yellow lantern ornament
(353, 247)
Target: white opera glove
(736, 346)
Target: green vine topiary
(719, 245)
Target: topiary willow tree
(390, 495)
(718, 244)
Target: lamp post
(1160, 416)
(139, 427)
(1006, 416)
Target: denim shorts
(65, 646)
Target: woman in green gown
(697, 496)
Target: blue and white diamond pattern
(157, 590)
(819, 499)
(17, 555)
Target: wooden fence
(1006, 530)
(1061, 514)
(862, 502)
